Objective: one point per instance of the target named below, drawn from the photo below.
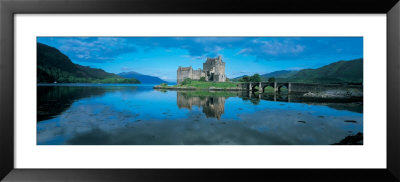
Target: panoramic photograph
(199, 90)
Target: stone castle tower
(213, 70)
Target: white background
(371, 155)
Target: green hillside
(338, 72)
(280, 74)
(54, 66)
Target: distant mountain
(275, 74)
(280, 74)
(237, 78)
(337, 72)
(141, 77)
(54, 66)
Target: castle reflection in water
(213, 103)
(213, 106)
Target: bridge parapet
(296, 87)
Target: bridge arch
(254, 85)
(281, 87)
(262, 86)
(266, 85)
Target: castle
(213, 70)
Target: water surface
(118, 114)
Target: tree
(255, 78)
(244, 79)
(272, 79)
(202, 79)
(186, 81)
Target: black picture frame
(9, 8)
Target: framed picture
(128, 90)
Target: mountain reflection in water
(110, 114)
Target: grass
(269, 90)
(200, 84)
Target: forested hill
(280, 74)
(337, 72)
(54, 66)
(142, 78)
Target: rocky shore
(356, 139)
(352, 94)
(336, 93)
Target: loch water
(137, 114)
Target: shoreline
(194, 88)
(325, 95)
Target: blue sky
(161, 56)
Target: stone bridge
(296, 87)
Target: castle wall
(219, 74)
(215, 69)
(220, 68)
(219, 78)
(184, 72)
(197, 74)
(207, 66)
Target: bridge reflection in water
(270, 97)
